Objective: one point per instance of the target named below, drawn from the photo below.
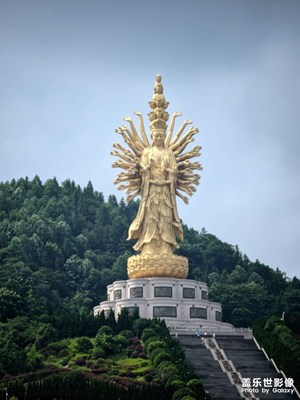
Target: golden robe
(157, 224)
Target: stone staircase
(215, 381)
(241, 356)
(252, 363)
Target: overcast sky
(71, 69)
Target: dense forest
(60, 245)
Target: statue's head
(158, 137)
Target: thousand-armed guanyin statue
(157, 172)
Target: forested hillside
(60, 245)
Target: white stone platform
(182, 303)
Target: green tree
(10, 302)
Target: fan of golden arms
(157, 170)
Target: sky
(70, 70)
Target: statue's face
(158, 137)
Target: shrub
(63, 353)
(111, 344)
(169, 373)
(90, 364)
(181, 393)
(127, 333)
(98, 352)
(105, 330)
(150, 340)
(122, 340)
(134, 340)
(155, 352)
(79, 361)
(130, 351)
(98, 365)
(70, 378)
(195, 385)
(164, 365)
(154, 345)
(83, 344)
(162, 356)
(147, 333)
(137, 354)
(175, 383)
(148, 378)
(56, 347)
(138, 347)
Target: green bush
(127, 333)
(147, 333)
(105, 330)
(98, 352)
(57, 347)
(162, 356)
(175, 383)
(122, 340)
(155, 352)
(83, 344)
(80, 361)
(110, 344)
(169, 373)
(164, 365)
(154, 345)
(150, 340)
(181, 393)
(63, 353)
(195, 384)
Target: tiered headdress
(158, 116)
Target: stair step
(247, 359)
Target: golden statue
(157, 172)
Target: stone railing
(207, 330)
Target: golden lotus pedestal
(157, 265)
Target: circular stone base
(157, 265)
